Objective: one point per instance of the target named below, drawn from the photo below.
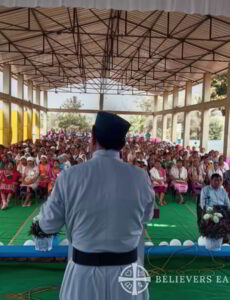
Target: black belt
(104, 259)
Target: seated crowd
(28, 169)
(179, 169)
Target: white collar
(108, 153)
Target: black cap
(110, 130)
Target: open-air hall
(148, 48)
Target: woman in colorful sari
(9, 180)
(30, 181)
(196, 177)
(223, 166)
(179, 176)
(54, 173)
(44, 170)
(212, 170)
(209, 172)
(160, 185)
(204, 167)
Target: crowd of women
(174, 167)
(29, 170)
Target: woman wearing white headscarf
(30, 181)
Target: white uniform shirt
(224, 168)
(212, 171)
(155, 174)
(179, 173)
(103, 204)
(37, 160)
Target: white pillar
(187, 119)
(207, 81)
(187, 115)
(155, 103)
(36, 116)
(204, 129)
(155, 118)
(227, 123)
(174, 115)
(188, 93)
(45, 118)
(38, 96)
(154, 131)
(20, 86)
(27, 130)
(30, 91)
(204, 136)
(165, 99)
(174, 128)
(7, 79)
(17, 113)
(164, 126)
(175, 97)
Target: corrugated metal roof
(152, 51)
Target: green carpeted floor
(30, 281)
(192, 277)
(176, 221)
(13, 222)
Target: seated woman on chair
(167, 163)
(54, 173)
(158, 176)
(44, 170)
(196, 177)
(213, 169)
(30, 181)
(22, 165)
(9, 180)
(223, 166)
(179, 177)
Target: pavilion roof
(100, 49)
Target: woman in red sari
(9, 180)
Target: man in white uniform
(103, 203)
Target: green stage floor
(15, 222)
(176, 221)
(210, 279)
(189, 277)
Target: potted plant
(214, 228)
